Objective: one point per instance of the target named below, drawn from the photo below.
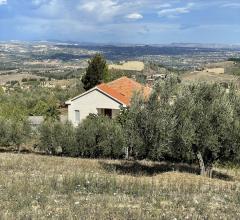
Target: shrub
(5, 133)
(57, 138)
(100, 137)
(13, 133)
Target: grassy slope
(39, 187)
(231, 74)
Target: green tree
(49, 137)
(205, 119)
(149, 124)
(52, 113)
(58, 138)
(5, 133)
(100, 137)
(1, 91)
(40, 108)
(68, 140)
(14, 133)
(20, 133)
(97, 72)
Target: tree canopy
(97, 72)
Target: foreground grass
(40, 187)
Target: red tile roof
(123, 89)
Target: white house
(104, 99)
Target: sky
(121, 21)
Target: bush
(57, 138)
(5, 133)
(100, 137)
(13, 133)
(95, 137)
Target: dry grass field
(221, 72)
(41, 187)
(16, 77)
(130, 65)
(210, 76)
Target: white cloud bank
(231, 5)
(134, 16)
(173, 12)
(3, 2)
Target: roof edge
(120, 102)
(69, 102)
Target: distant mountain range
(187, 45)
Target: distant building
(104, 99)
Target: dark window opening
(108, 112)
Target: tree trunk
(209, 170)
(201, 164)
(126, 153)
(19, 149)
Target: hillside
(210, 76)
(222, 72)
(40, 187)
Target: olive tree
(99, 136)
(14, 133)
(149, 123)
(57, 138)
(205, 118)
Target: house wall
(89, 103)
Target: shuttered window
(77, 116)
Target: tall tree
(205, 119)
(97, 72)
(149, 124)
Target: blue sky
(120, 21)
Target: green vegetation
(237, 60)
(37, 100)
(192, 124)
(234, 70)
(14, 133)
(59, 75)
(95, 137)
(195, 124)
(97, 72)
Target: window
(105, 112)
(108, 112)
(77, 116)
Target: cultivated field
(209, 76)
(130, 65)
(16, 77)
(41, 187)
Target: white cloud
(101, 10)
(166, 5)
(231, 5)
(173, 12)
(38, 2)
(134, 16)
(89, 6)
(3, 2)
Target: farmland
(16, 77)
(40, 187)
(130, 65)
(209, 76)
